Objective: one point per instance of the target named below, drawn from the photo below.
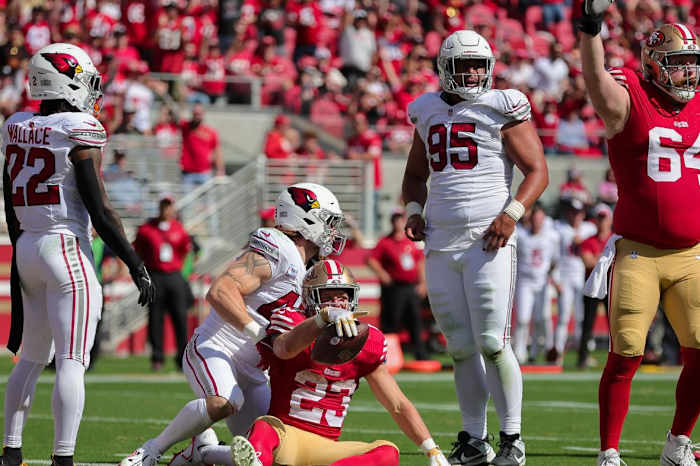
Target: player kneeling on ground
(310, 399)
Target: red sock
(687, 400)
(381, 456)
(264, 439)
(614, 397)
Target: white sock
(472, 394)
(68, 402)
(19, 394)
(216, 454)
(190, 421)
(505, 384)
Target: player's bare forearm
(290, 344)
(608, 97)
(524, 147)
(87, 162)
(413, 188)
(241, 278)
(389, 395)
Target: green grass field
(126, 405)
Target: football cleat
(191, 455)
(678, 451)
(511, 451)
(610, 457)
(146, 455)
(243, 452)
(62, 460)
(468, 450)
(11, 457)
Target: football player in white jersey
(572, 230)
(221, 361)
(538, 251)
(52, 188)
(466, 141)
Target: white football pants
(532, 303)
(570, 300)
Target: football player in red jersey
(310, 400)
(651, 123)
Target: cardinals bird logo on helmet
(304, 198)
(64, 63)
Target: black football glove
(588, 15)
(143, 281)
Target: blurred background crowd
(328, 60)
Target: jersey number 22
(24, 159)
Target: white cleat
(243, 452)
(678, 451)
(145, 455)
(610, 457)
(192, 455)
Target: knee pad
(629, 343)
(491, 346)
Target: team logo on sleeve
(656, 38)
(304, 198)
(64, 63)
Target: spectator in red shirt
(201, 153)
(590, 250)
(163, 244)
(367, 145)
(307, 18)
(37, 32)
(169, 39)
(574, 187)
(166, 132)
(276, 144)
(214, 71)
(135, 18)
(547, 123)
(399, 265)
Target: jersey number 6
(34, 197)
(439, 145)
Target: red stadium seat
(533, 16)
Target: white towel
(597, 284)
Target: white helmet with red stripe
(328, 274)
(668, 41)
(314, 212)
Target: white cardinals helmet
(64, 71)
(313, 211)
(465, 45)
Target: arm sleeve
(85, 130)
(264, 242)
(105, 224)
(516, 107)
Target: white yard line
(401, 377)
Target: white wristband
(514, 210)
(413, 208)
(254, 331)
(427, 445)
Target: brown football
(331, 349)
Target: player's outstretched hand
(437, 458)
(143, 281)
(415, 228)
(498, 232)
(343, 319)
(588, 15)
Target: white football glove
(437, 458)
(343, 319)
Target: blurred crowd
(328, 60)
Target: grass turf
(126, 404)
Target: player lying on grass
(310, 400)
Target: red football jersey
(657, 168)
(311, 396)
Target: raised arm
(87, 162)
(610, 99)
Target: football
(331, 349)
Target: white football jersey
(571, 268)
(44, 190)
(537, 253)
(283, 288)
(470, 173)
